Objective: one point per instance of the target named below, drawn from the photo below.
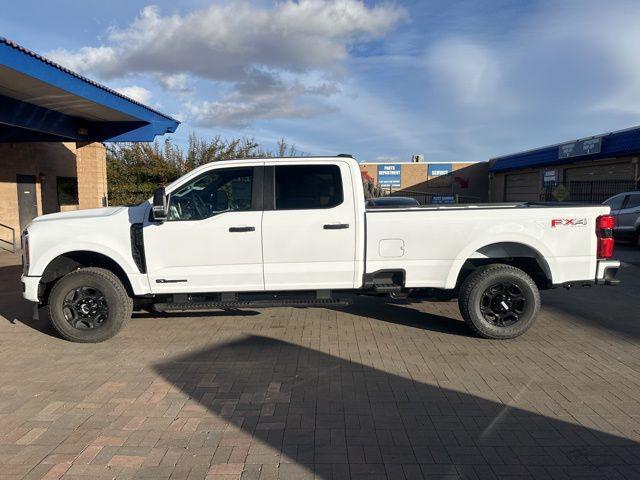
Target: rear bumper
(606, 272)
(30, 288)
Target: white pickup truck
(295, 232)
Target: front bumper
(30, 288)
(606, 272)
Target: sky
(453, 80)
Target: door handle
(336, 226)
(242, 229)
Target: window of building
(304, 187)
(217, 191)
(67, 188)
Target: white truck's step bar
(181, 302)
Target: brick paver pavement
(376, 390)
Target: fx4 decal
(568, 222)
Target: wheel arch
(521, 255)
(70, 261)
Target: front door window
(215, 192)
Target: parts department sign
(390, 175)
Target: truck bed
(431, 243)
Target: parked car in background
(625, 207)
(387, 202)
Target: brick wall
(46, 161)
(466, 179)
(92, 175)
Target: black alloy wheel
(85, 308)
(503, 304)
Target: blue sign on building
(439, 169)
(443, 199)
(390, 175)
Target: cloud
(263, 56)
(177, 83)
(262, 96)
(559, 72)
(469, 70)
(220, 42)
(136, 92)
(386, 159)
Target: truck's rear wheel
(89, 305)
(499, 301)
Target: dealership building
(431, 182)
(590, 169)
(52, 125)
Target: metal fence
(427, 198)
(591, 191)
(6, 244)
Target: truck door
(211, 241)
(309, 226)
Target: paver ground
(376, 390)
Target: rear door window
(633, 202)
(616, 202)
(306, 187)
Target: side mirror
(160, 209)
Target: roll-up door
(522, 187)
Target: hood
(78, 214)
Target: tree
(286, 150)
(371, 188)
(135, 169)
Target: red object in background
(461, 181)
(604, 232)
(366, 177)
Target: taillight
(604, 232)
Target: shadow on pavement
(195, 313)
(612, 309)
(331, 417)
(14, 308)
(402, 313)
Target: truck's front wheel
(499, 301)
(89, 305)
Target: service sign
(439, 169)
(580, 147)
(390, 175)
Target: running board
(264, 303)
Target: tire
(636, 239)
(99, 292)
(499, 301)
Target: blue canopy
(622, 142)
(41, 101)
